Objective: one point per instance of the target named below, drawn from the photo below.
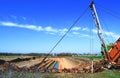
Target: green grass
(111, 74)
(88, 57)
(82, 56)
(9, 57)
(2, 57)
(104, 74)
(13, 74)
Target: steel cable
(65, 34)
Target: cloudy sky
(37, 25)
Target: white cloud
(54, 31)
(114, 35)
(85, 35)
(33, 27)
(75, 33)
(29, 26)
(76, 28)
(94, 31)
(85, 29)
(63, 31)
(15, 17)
(50, 29)
(109, 33)
(8, 24)
(39, 28)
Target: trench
(53, 65)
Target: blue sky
(37, 25)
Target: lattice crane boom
(99, 29)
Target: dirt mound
(29, 63)
(63, 62)
(68, 62)
(2, 61)
(19, 60)
(67, 65)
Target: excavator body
(114, 54)
(111, 54)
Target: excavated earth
(63, 62)
(51, 65)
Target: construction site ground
(64, 63)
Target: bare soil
(63, 62)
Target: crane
(99, 29)
(112, 56)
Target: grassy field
(81, 56)
(1, 57)
(87, 57)
(104, 74)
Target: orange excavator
(111, 55)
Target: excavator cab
(108, 46)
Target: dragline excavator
(111, 54)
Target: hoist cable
(108, 30)
(110, 12)
(65, 34)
